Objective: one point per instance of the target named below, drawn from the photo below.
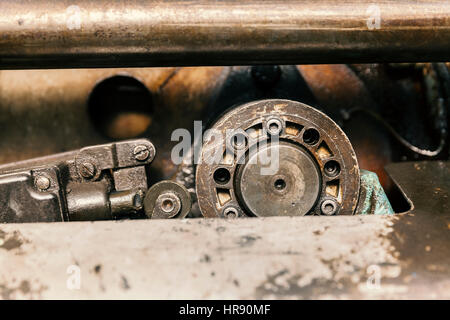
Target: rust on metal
(106, 33)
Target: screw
(328, 207)
(332, 168)
(230, 213)
(274, 126)
(42, 183)
(168, 204)
(87, 170)
(141, 153)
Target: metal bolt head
(42, 183)
(141, 152)
(274, 126)
(168, 204)
(87, 170)
(329, 207)
(230, 213)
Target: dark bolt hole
(273, 127)
(280, 184)
(167, 205)
(332, 168)
(121, 107)
(231, 214)
(222, 176)
(239, 140)
(311, 136)
(329, 208)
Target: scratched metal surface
(137, 33)
(300, 258)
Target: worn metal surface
(44, 33)
(322, 145)
(278, 257)
(54, 106)
(372, 198)
(94, 183)
(167, 199)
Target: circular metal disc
(311, 143)
(170, 188)
(292, 191)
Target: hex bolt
(230, 213)
(329, 207)
(141, 152)
(274, 126)
(87, 170)
(42, 183)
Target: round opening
(222, 176)
(167, 205)
(230, 213)
(239, 140)
(328, 208)
(121, 107)
(273, 127)
(280, 184)
(332, 168)
(311, 136)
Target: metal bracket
(99, 182)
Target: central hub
(279, 180)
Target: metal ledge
(307, 257)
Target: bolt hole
(222, 176)
(332, 168)
(311, 136)
(230, 213)
(273, 127)
(121, 107)
(328, 207)
(280, 184)
(167, 205)
(239, 140)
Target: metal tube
(109, 33)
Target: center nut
(284, 158)
(292, 191)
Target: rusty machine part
(167, 200)
(99, 182)
(276, 157)
(107, 33)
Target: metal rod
(137, 33)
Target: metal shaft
(109, 33)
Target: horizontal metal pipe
(133, 33)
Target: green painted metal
(372, 198)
